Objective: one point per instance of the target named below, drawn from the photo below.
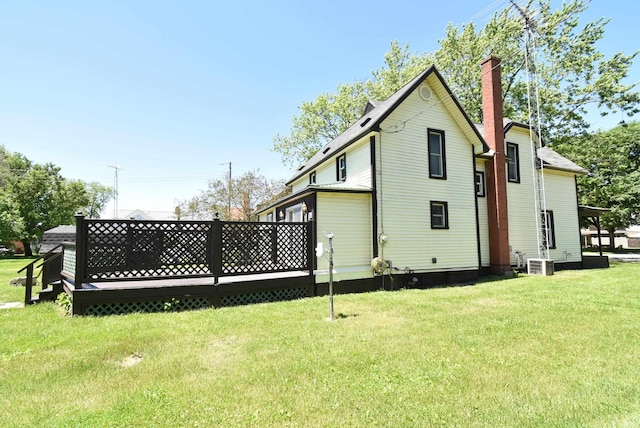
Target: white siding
(348, 217)
(560, 198)
(483, 217)
(405, 190)
(358, 167)
(521, 200)
(263, 216)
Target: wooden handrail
(28, 286)
(40, 257)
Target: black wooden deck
(120, 266)
(173, 294)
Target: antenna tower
(535, 132)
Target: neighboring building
(52, 238)
(147, 215)
(623, 238)
(416, 188)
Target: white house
(417, 190)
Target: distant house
(623, 238)
(418, 189)
(53, 237)
(148, 215)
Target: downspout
(374, 195)
(475, 198)
(381, 255)
(575, 181)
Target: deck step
(48, 294)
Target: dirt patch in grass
(131, 360)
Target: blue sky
(172, 91)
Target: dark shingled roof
(554, 160)
(56, 236)
(375, 113)
(551, 159)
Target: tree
(34, 198)
(247, 192)
(571, 72)
(613, 160)
(11, 225)
(98, 195)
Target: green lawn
(9, 268)
(528, 351)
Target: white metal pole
(330, 236)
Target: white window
(341, 168)
(548, 230)
(312, 178)
(480, 184)
(513, 163)
(439, 215)
(294, 213)
(437, 161)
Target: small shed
(56, 236)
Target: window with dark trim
(548, 230)
(439, 215)
(312, 178)
(513, 163)
(480, 184)
(437, 159)
(341, 168)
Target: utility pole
(116, 168)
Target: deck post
(81, 248)
(216, 265)
(310, 249)
(274, 243)
(28, 285)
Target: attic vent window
(367, 120)
(425, 93)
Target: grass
(9, 268)
(528, 351)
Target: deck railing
(49, 257)
(109, 250)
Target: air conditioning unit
(542, 267)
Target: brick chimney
(492, 112)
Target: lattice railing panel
(249, 248)
(115, 249)
(263, 297)
(148, 249)
(69, 259)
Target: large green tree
(34, 198)
(613, 160)
(573, 76)
(247, 192)
(98, 195)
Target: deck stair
(51, 265)
(48, 294)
